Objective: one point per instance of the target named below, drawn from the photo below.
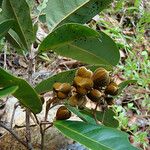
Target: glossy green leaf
(82, 43)
(106, 117)
(95, 137)
(14, 40)
(124, 84)
(5, 25)
(85, 117)
(25, 93)
(66, 76)
(7, 91)
(77, 11)
(47, 85)
(19, 11)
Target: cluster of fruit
(95, 86)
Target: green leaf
(124, 84)
(14, 40)
(19, 11)
(1, 3)
(25, 93)
(77, 11)
(82, 43)
(66, 76)
(8, 90)
(81, 115)
(5, 25)
(106, 117)
(95, 137)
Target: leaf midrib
(69, 14)
(88, 52)
(84, 136)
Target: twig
(13, 114)
(23, 126)
(48, 104)
(13, 134)
(28, 133)
(30, 72)
(94, 113)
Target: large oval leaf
(19, 11)
(5, 25)
(66, 76)
(82, 43)
(95, 137)
(25, 93)
(77, 11)
(8, 90)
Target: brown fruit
(76, 100)
(62, 87)
(94, 95)
(101, 77)
(61, 95)
(109, 100)
(63, 113)
(83, 85)
(112, 89)
(83, 72)
(56, 86)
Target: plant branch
(28, 131)
(13, 114)
(13, 133)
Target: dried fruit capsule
(83, 72)
(83, 85)
(62, 87)
(76, 100)
(101, 77)
(56, 86)
(61, 95)
(109, 100)
(94, 95)
(63, 113)
(112, 89)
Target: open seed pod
(101, 77)
(61, 95)
(63, 113)
(83, 85)
(112, 89)
(84, 73)
(76, 100)
(62, 89)
(94, 95)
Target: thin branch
(94, 113)
(13, 114)
(28, 132)
(13, 133)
